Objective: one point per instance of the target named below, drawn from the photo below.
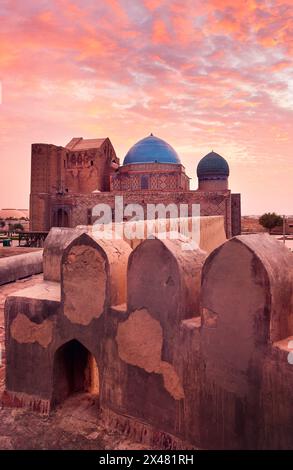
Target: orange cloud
(152, 4)
(160, 34)
(185, 29)
(117, 9)
(46, 17)
(283, 64)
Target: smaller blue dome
(151, 149)
(212, 165)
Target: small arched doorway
(74, 371)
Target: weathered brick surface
(204, 362)
(236, 214)
(59, 170)
(210, 203)
(156, 176)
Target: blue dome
(212, 165)
(151, 149)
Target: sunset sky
(201, 74)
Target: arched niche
(164, 277)
(246, 298)
(75, 371)
(93, 277)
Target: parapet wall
(18, 266)
(194, 352)
(80, 206)
(209, 234)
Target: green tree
(269, 220)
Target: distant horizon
(200, 75)
(242, 215)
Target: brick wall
(58, 170)
(156, 176)
(236, 214)
(210, 203)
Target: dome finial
(151, 134)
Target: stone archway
(74, 371)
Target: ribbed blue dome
(151, 149)
(212, 165)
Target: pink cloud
(199, 74)
(160, 33)
(152, 4)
